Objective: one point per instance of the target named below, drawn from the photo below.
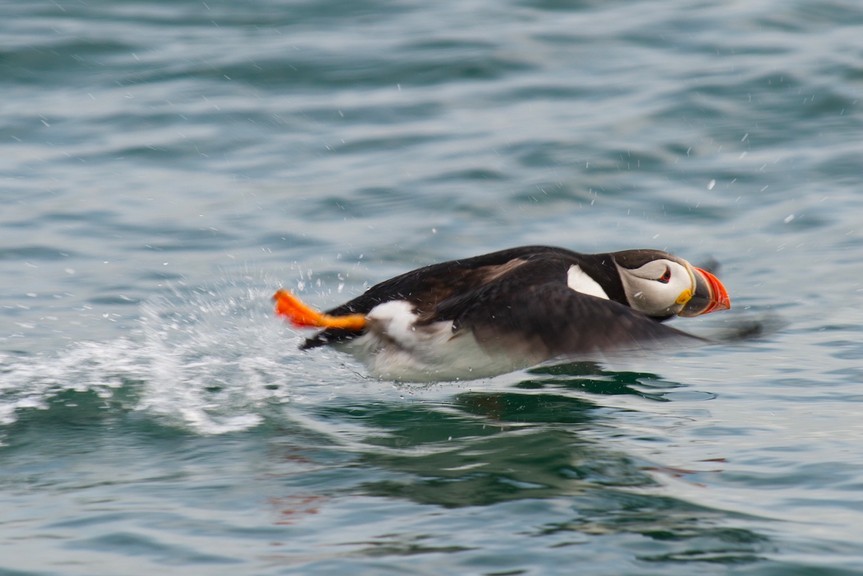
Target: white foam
(209, 360)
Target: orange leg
(302, 316)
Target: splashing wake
(210, 360)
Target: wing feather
(551, 320)
(515, 301)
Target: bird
(511, 309)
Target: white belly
(395, 348)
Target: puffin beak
(709, 295)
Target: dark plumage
(529, 304)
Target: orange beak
(709, 295)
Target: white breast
(581, 282)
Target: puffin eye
(666, 276)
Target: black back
(513, 297)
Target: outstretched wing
(551, 320)
(427, 287)
(532, 311)
(515, 304)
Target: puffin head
(661, 285)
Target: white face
(659, 288)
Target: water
(164, 167)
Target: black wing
(427, 287)
(532, 311)
(515, 300)
(551, 320)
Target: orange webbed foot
(303, 316)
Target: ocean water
(165, 166)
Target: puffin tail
(303, 316)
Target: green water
(164, 167)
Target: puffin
(512, 309)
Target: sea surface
(166, 166)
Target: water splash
(210, 360)
(30, 382)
